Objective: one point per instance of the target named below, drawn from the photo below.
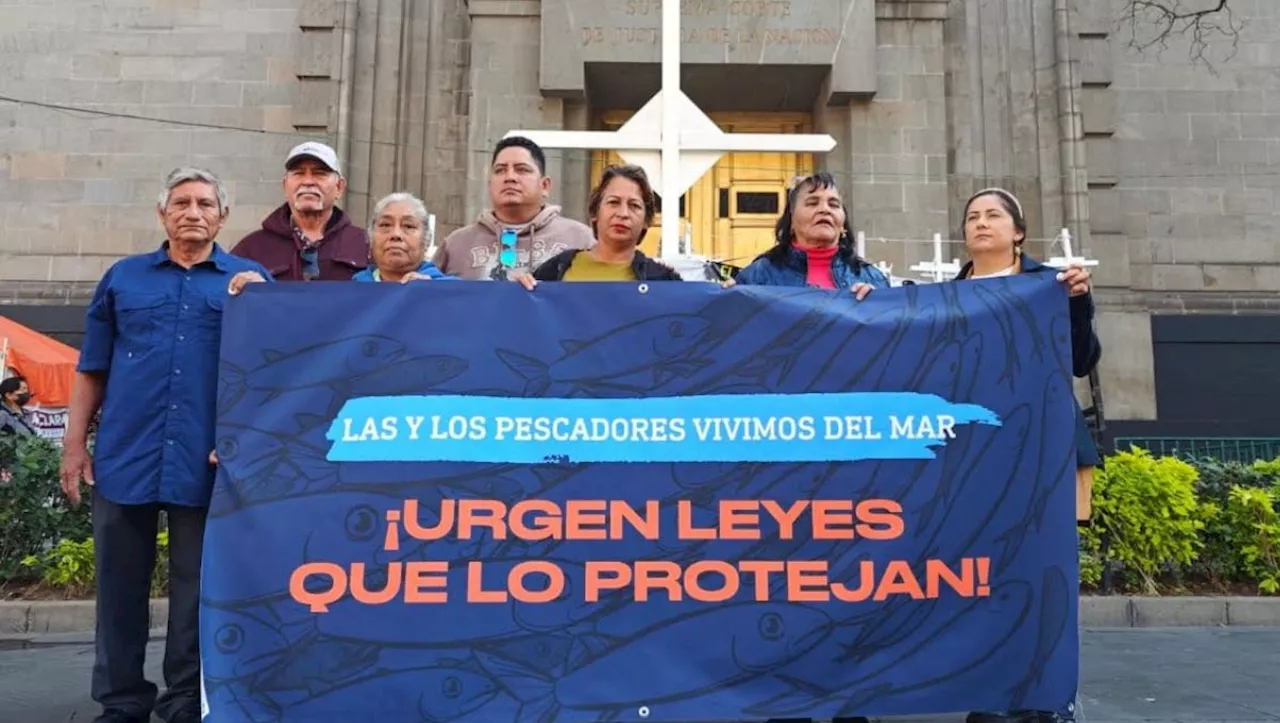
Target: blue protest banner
(669, 502)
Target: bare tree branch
(1153, 22)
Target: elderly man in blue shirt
(149, 362)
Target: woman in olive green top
(622, 208)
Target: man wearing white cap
(309, 238)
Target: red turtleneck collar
(819, 265)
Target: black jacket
(645, 268)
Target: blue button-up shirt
(154, 329)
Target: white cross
(672, 139)
(1067, 258)
(431, 235)
(936, 270)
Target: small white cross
(431, 235)
(1067, 258)
(672, 139)
(936, 270)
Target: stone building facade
(1166, 171)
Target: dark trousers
(124, 544)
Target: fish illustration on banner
(616, 502)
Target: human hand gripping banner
(620, 502)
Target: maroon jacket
(343, 251)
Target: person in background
(14, 396)
(149, 362)
(309, 238)
(994, 230)
(814, 245)
(522, 230)
(622, 208)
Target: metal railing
(1224, 449)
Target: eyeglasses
(310, 263)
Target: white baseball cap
(318, 151)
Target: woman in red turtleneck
(814, 248)
(815, 245)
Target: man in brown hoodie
(534, 230)
(309, 238)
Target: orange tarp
(48, 364)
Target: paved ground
(1154, 675)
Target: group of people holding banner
(524, 238)
(150, 355)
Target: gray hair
(179, 176)
(419, 208)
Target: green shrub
(1148, 510)
(43, 539)
(1255, 527)
(1217, 478)
(34, 514)
(69, 567)
(1269, 469)
(160, 575)
(1092, 561)
(1221, 562)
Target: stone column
(575, 185)
(1127, 370)
(1003, 108)
(375, 104)
(402, 98)
(894, 144)
(445, 155)
(505, 90)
